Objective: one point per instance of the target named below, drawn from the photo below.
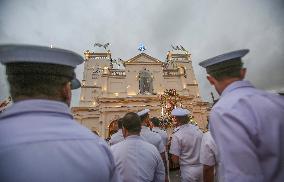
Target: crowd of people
(40, 140)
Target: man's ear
(124, 132)
(66, 93)
(243, 73)
(211, 79)
(66, 89)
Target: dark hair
(229, 69)
(34, 79)
(131, 122)
(156, 122)
(119, 123)
(144, 116)
(183, 119)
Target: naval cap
(143, 112)
(187, 111)
(180, 112)
(14, 53)
(230, 56)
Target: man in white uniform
(136, 159)
(208, 157)
(39, 139)
(185, 147)
(156, 128)
(151, 137)
(147, 134)
(247, 124)
(118, 136)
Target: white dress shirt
(138, 160)
(40, 141)
(247, 125)
(186, 143)
(116, 137)
(162, 133)
(153, 138)
(208, 152)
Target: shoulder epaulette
(175, 130)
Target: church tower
(180, 62)
(93, 85)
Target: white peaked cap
(188, 111)
(141, 113)
(180, 112)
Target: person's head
(180, 116)
(119, 123)
(131, 124)
(155, 121)
(35, 72)
(144, 117)
(224, 69)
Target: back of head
(144, 116)
(131, 122)
(183, 119)
(37, 71)
(181, 115)
(156, 122)
(226, 70)
(32, 80)
(119, 123)
(224, 66)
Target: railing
(171, 72)
(116, 72)
(88, 55)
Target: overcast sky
(205, 27)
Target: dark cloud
(206, 28)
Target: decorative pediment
(143, 59)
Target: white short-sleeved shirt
(247, 125)
(162, 133)
(138, 160)
(153, 138)
(186, 143)
(208, 150)
(208, 153)
(40, 141)
(116, 137)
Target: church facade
(107, 93)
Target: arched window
(145, 82)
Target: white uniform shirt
(40, 141)
(153, 138)
(247, 125)
(162, 133)
(186, 143)
(116, 137)
(208, 152)
(137, 160)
